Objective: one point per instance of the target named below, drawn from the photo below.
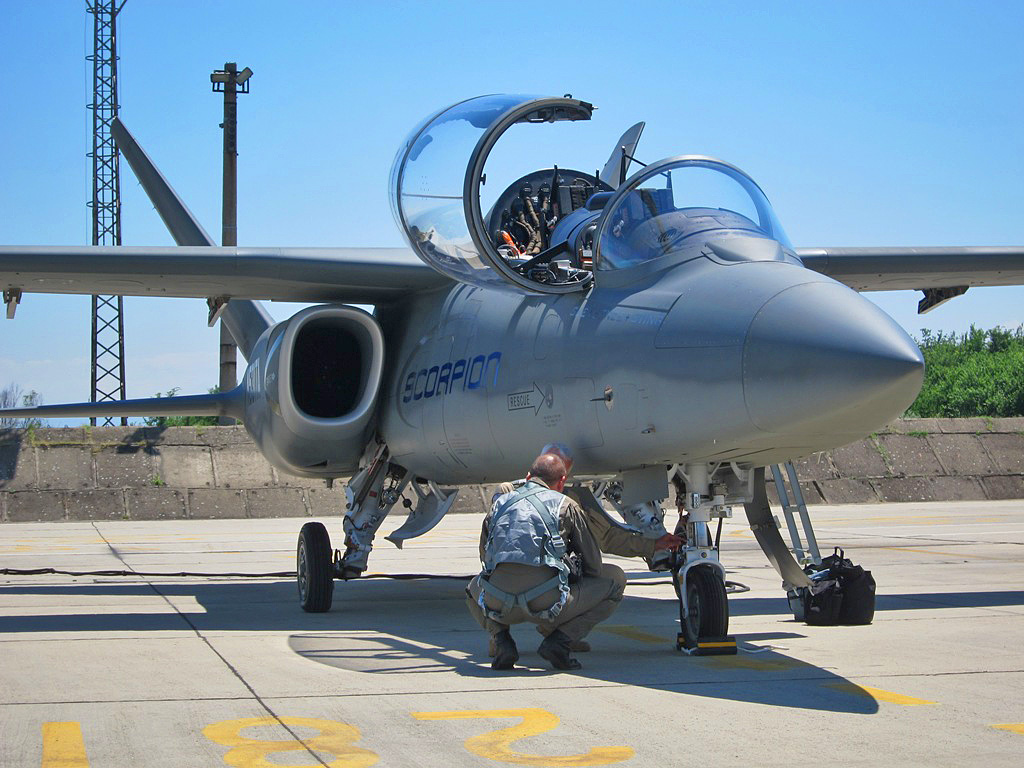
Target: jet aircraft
(658, 322)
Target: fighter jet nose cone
(819, 358)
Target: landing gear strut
(370, 496)
(697, 574)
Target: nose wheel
(704, 613)
(314, 568)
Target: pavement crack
(184, 617)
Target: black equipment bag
(843, 593)
(823, 602)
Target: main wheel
(313, 568)
(707, 609)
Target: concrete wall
(921, 460)
(146, 473)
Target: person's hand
(668, 541)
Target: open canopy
(436, 181)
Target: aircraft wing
(359, 275)
(895, 269)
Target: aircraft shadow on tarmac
(423, 628)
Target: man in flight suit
(523, 545)
(614, 539)
(655, 544)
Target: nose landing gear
(705, 611)
(697, 575)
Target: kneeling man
(528, 540)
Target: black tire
(315, 573)
(708, 607)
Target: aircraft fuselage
(698, 361)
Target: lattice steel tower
(108, 382)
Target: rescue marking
(879, 695)
(335, 738)
(63, 746)
(495, 745)
(1011, 727)
(531, 399)
(633, 634)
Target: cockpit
(551, 230)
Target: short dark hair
(549, 468)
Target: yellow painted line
(879, 695)
(497, 745)
(335, 738)
(63, 746)
(633, 633)
(1011, 727)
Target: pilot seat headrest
(597, 201)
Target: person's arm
(579, 539)
(618, 541)
(483, 536)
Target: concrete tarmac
(206, 671)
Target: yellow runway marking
(497, 745)
(335, 738)
(879, 695)
(63, 746)
(1011, 727)
(633, 633)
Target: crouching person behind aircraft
(526, 545)
(648, 539)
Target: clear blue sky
(867, 123)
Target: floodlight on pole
(230, 82)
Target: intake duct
(311, 390)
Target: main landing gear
(314, 568)
(371, 494)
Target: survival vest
(524, 530)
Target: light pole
(230, 82)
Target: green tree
(181, 421)
(979, 373)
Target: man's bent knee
(617, 577)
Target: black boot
(505, 652)
(576, 646)
(556, 649)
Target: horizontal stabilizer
(220, 404)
